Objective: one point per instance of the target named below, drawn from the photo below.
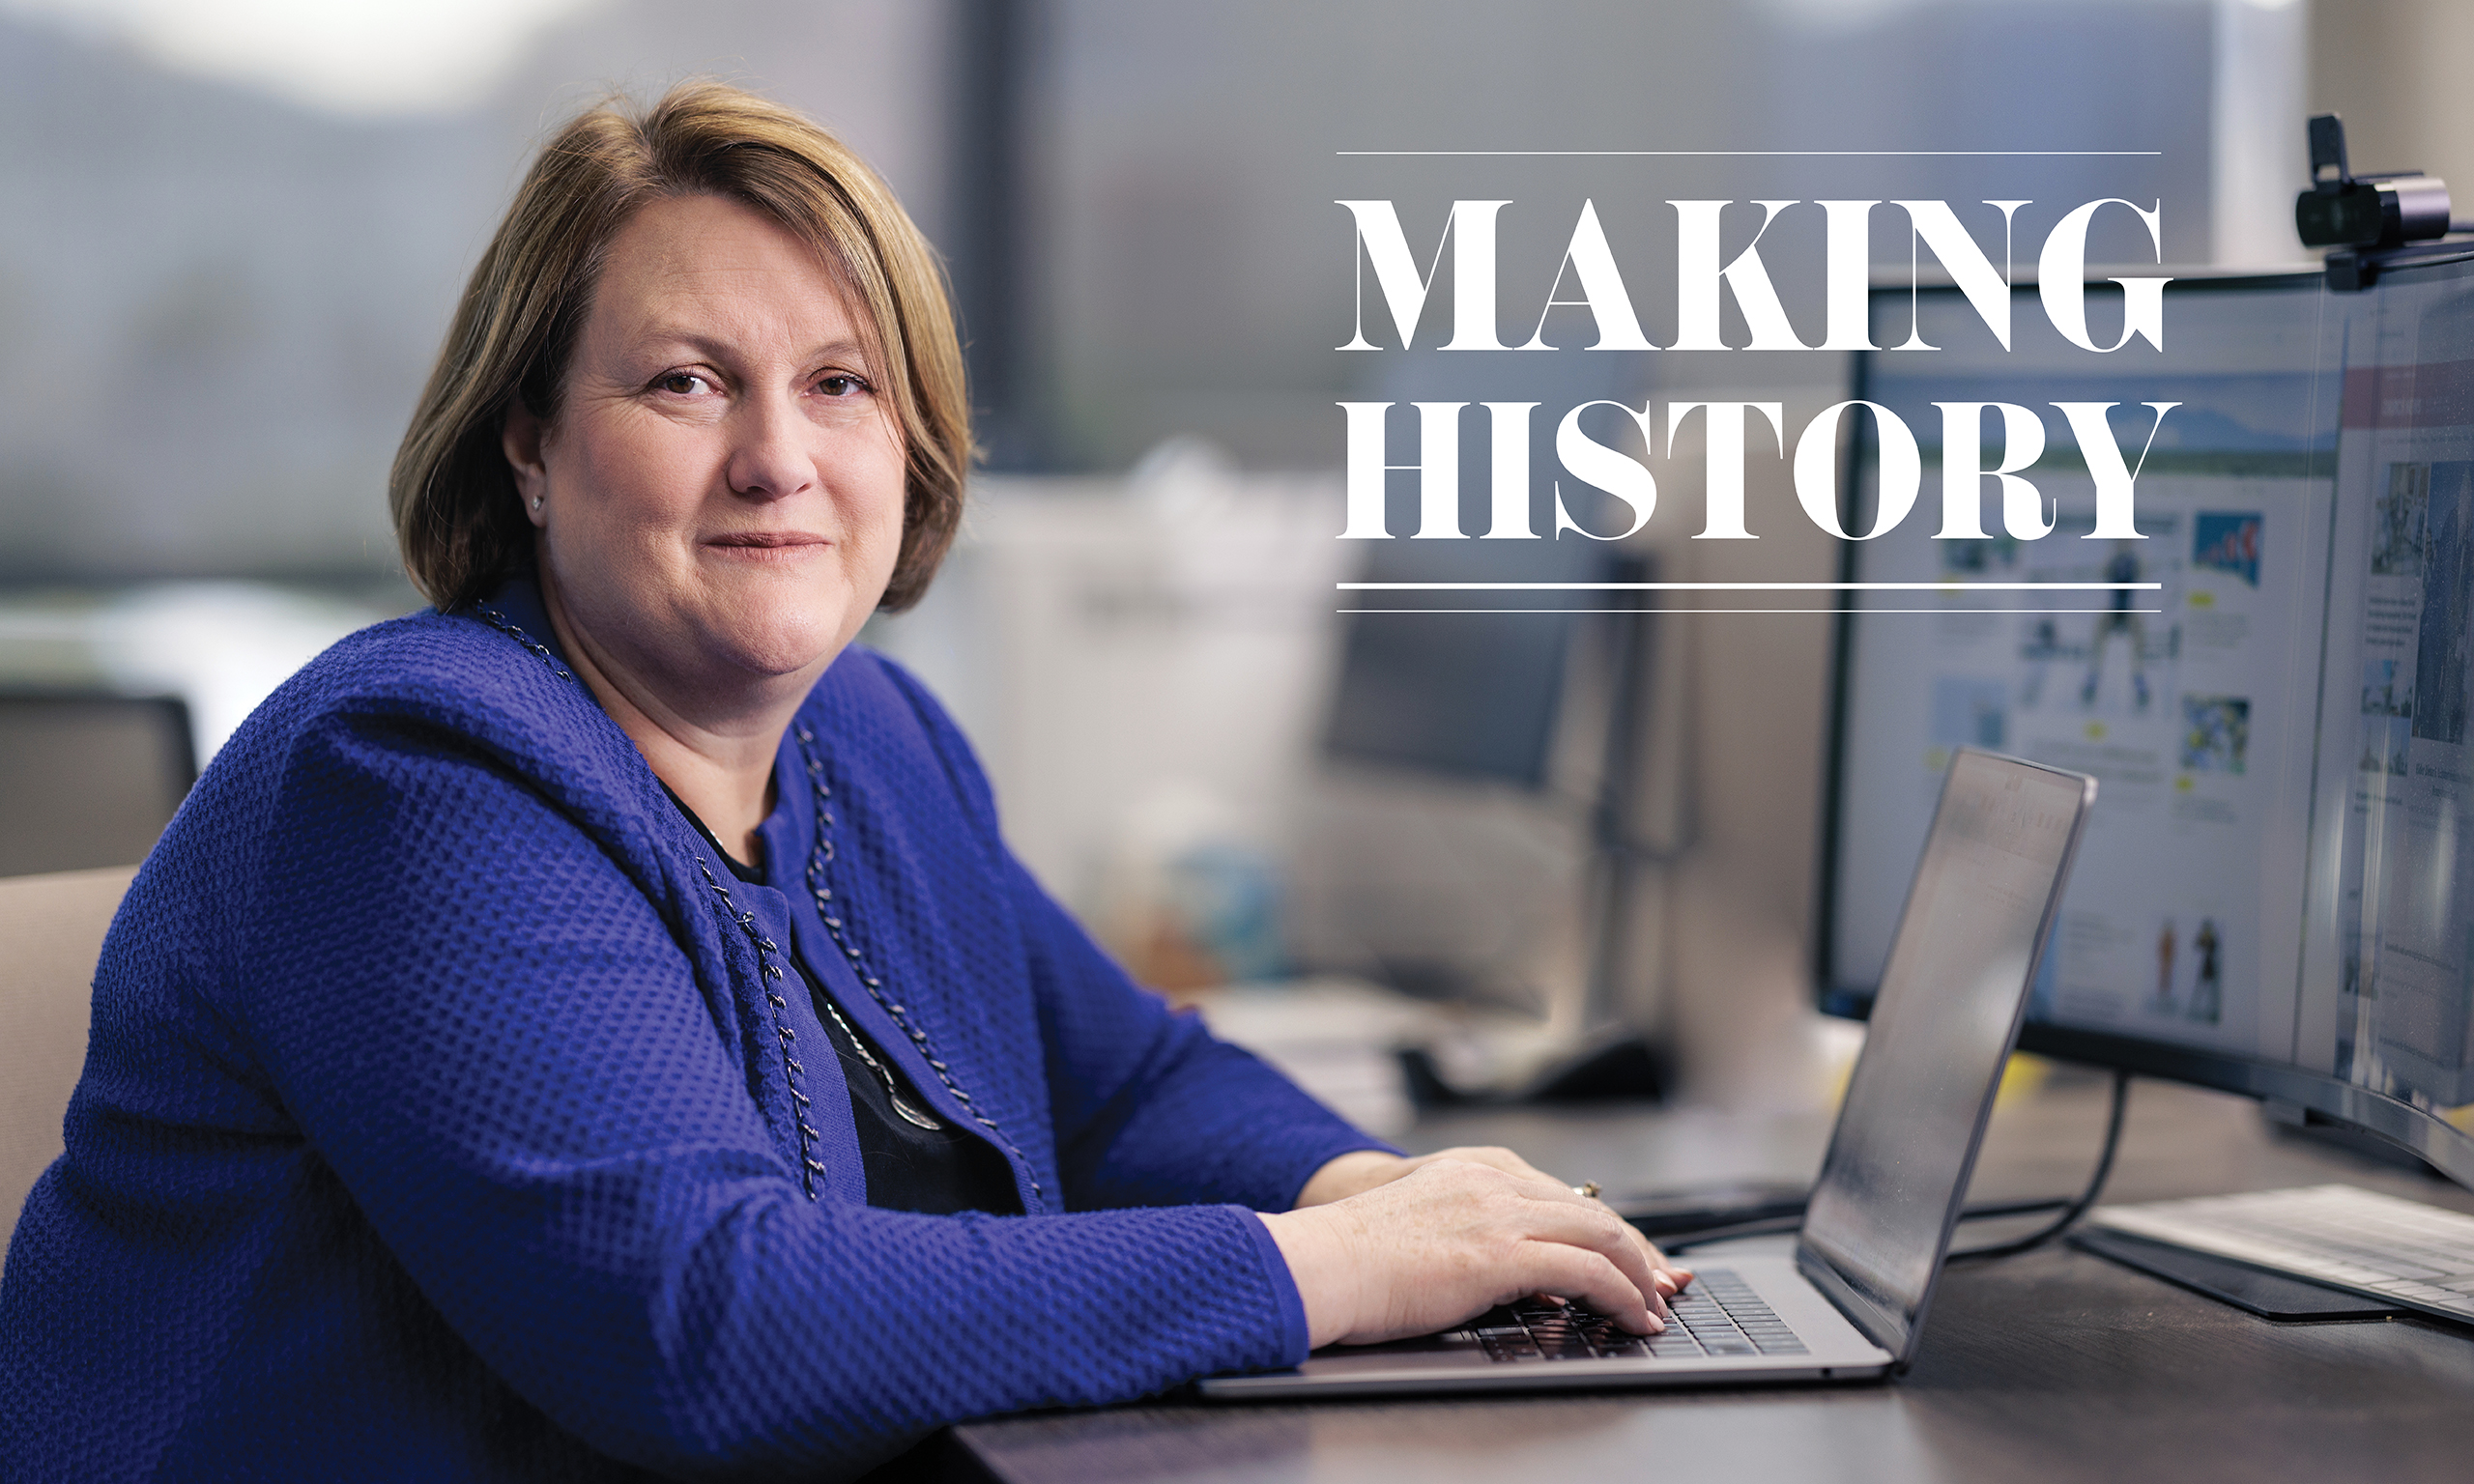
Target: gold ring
(1586, 1190)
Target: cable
(1994, 1210)
(1990, 1211)
(1768, 1226)
(2087, 1198)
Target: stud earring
(536, 501)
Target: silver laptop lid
(1977, 915)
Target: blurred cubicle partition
(1142, 662)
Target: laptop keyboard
(1719, 1315)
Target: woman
(598, 1022)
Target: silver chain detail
(819, 858)
(506, 626)
(793, 1072)
(893, 1090)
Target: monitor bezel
(2310, 1096)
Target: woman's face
(720, 497)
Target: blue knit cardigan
(444, 1114)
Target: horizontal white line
(1768, 154)
(1749, 587)
(2087, 612)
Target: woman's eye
(842, 384)
(686, 384)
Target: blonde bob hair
(457, 515)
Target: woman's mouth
(763, 540)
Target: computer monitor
(1483, 750)
(1457, 684)
(2276, 827)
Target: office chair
(51, 930)
(88, 777)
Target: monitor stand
(2268, 1295)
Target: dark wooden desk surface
(2055, 1365)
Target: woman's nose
(769, 456)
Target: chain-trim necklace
(820, 857)
(884, 1074)
(769, 961)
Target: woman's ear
(520, 436)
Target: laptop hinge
(1882, 1325)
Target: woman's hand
(1362, 1170)
(1405, 1247)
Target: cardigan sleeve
(1148, 1107)
(487, 1031)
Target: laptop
(1849, 1304)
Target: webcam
(2345, 209)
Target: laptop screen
(1948, 1008)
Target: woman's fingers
(1673, 1277)
(1453, 1237)
(1657, 1279)
(1679, 1276)
(1575, 1273)
(1586, 1224)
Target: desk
(2055, 1365)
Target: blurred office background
(231, 231)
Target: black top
(915, 1159)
